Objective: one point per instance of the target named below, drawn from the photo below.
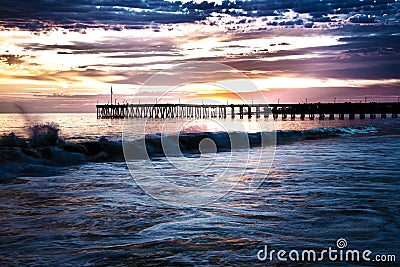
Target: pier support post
(257, 112)
(241, 112)
(266, 112)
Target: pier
(311, 111)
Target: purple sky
(63, 56)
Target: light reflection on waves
(316, 192)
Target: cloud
(372, 53)
(46, 14)
(12, 59)
(116, 15)
(74, 63)
(361, 18)
(51, 104)
(108, 45)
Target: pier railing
(320, 111)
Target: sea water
(324, 184)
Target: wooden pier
(311, 111)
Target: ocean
(83, 205)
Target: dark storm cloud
(115, 15)
(363, 56)
(126, 45)
(45, 14)
(367, 55)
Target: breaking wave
(44, 155)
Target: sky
(63, 56)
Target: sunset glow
(84, 63)
(199, 132)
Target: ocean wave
(17, 158)
(320, 133)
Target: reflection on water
(85, 126)
(95, 214)
(316, 192)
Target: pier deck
(311, 111)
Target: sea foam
(21, 157)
